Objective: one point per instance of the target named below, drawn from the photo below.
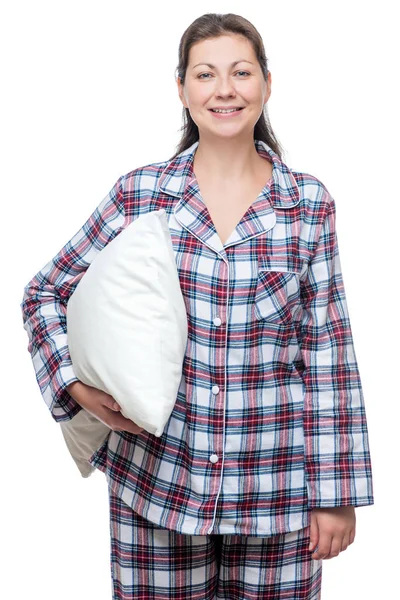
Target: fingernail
(116, 406)
(310, 546)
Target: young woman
(257, 475)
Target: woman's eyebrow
(232, 64)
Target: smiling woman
(230, 173)
(267, 443)
(239, 87)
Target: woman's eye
(201, 75)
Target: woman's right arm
(102, 406)
(45, 297)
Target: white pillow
(127, 332)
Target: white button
(213, 458)
(215, 389)
(217, 321)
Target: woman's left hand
(332, 529)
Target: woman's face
(221, 83)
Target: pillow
(127, 331)
(83, 435)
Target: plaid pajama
(269, 420)
(150, 562)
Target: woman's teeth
(219, 110)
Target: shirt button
(213, 458)
(217, 321)
(215, 389)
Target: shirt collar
(178, 179)
(178, 174)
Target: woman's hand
(332, 529)
(102, 406)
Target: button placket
(215, 390)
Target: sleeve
(45, 297)
(337, 454)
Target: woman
(255, 478)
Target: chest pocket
(278, 287)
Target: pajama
(269, 420)
(149, 562)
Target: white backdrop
(89, 94)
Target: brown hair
(212, 25)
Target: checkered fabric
(151, 562)
(269, 420)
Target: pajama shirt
(269, 420)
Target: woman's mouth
(226, 113)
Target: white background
(88, 95)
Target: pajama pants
(152, 563)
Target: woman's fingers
(111, 403)
(120, 423)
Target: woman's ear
(181, 92)
(268, 87)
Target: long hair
(212, 25)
